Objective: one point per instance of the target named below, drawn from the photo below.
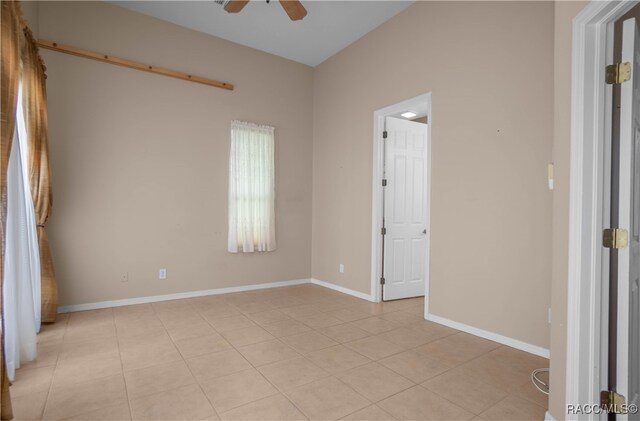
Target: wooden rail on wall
(50, 45)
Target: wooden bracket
(50, 45)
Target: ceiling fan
(294, 8)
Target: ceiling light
(408, 114)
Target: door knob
(424, 231)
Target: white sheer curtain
(251, 188)
(21, 286)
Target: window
(251, 188)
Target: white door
(405, 209)
(628, 348)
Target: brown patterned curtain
(9, 74)
(35, 107)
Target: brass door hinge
(618, 73)
(612, 401)
(382, 281)
(383, 231)
(615, 238)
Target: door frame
(592, 50)
(376, 204)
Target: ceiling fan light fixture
(408, 114)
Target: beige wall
(30, 15)
(140, 161)
(489, 66)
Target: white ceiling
(329, 26)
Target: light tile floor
(294, 353)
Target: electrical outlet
(341, 268)
(124, 277)
(162, 274)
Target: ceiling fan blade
(294, 9)
(234, 6)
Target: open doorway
(401, 200)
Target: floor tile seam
(442, 395)
(281, 392)
(527, 399)
(360, 353)
(124, 380)
(413, 384)
(197, 382)
(499, 403)
(430, 391)
(49, 393)
(331, 375)
(357, 410)
(46, 400)
(482, 378)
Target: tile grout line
(313, 329)
(279, 392)
(164, 363)
(482, 380)
(413, 384)
(184, 360)
(126, 389)
(235, 349)
(55, 367)
(256, 368)
(502, 400)
(373, 404)
(97, 378)
(433, 341)
(157, 365)
(333, 375)
(62, 342)
(124, 380)
(253, 298)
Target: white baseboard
(203, 293)
(177, 296)
(514, 343)
(343, 290)
(548, 416)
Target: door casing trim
(588, 209)
(376, 204)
